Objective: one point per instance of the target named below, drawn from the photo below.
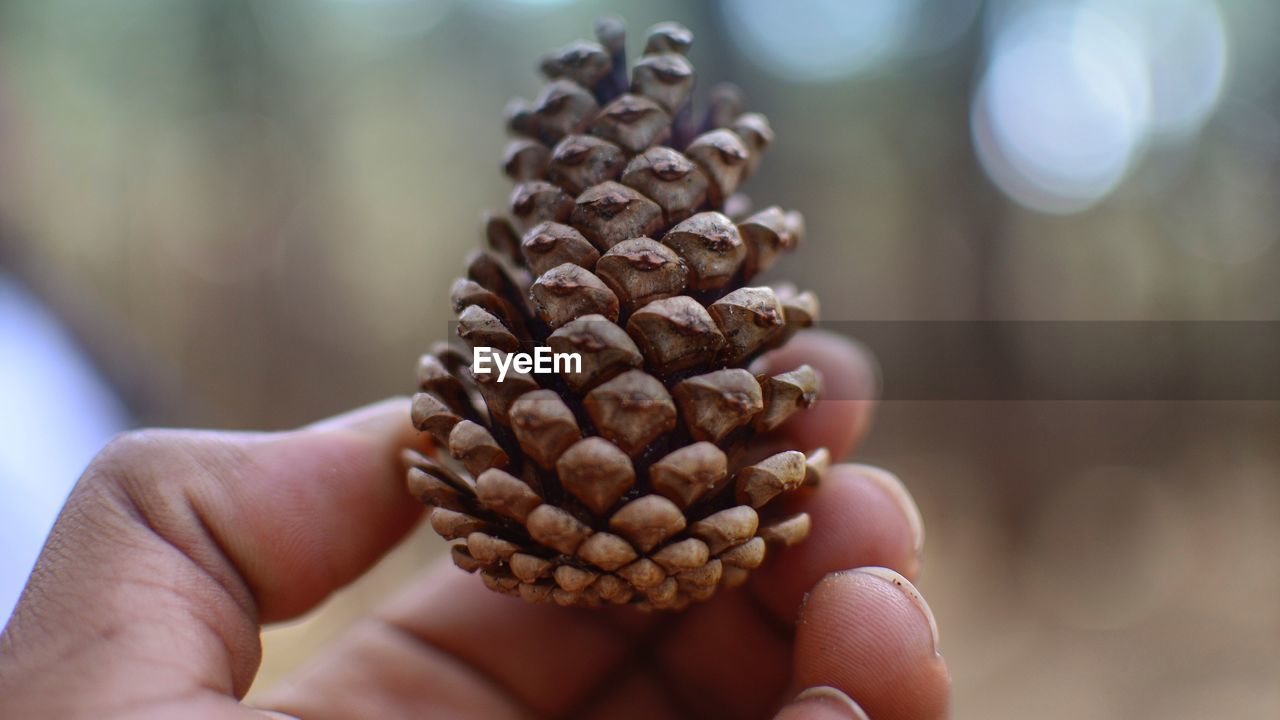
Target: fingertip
(323, 504)
(896, 491)
(856, 522)
(908, 589)
(869, 633)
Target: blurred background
(245, 213)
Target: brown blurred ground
(251, 211)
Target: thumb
(176, 544)
(300, 514)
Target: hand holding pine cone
(634, 477)
(638, 478)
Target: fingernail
(278, 715)
(904, 585)
(833, 698)
(893, 487)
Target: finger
(378, 670)
(176, 544)
(869, 634)
(312, 509)
(726, 659)
(862, 515)
(842, 414)
(540, 659)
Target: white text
(542, 360)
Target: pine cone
(628, 479)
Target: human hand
(176, 546)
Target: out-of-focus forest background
(247, 212)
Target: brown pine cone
(631, 477)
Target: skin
(177, 546)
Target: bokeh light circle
(1184, 47)
(819, 40)
(1074, 93)
(1062, 109)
